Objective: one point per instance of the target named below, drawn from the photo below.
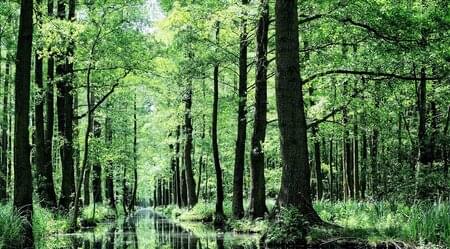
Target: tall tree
(5, 123)
(188, 129)
(23, 181)
(257, 159)
(219, 214)
(239, 158)
(65, 115)
(295, 182)
(96, 166)
(45, 186)
(109, 170)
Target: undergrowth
(418, 224)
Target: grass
(45, 223)
(419, 224)
(102, 213)
(10, 226)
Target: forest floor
(363, 224)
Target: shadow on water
(148, 230)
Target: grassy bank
(419, 224)
(45, 223)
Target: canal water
(148, 230)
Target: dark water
(145, 230)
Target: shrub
(289, 229)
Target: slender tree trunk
(424, 150)
(219, 218)
(23, 181)
(295, 182)
(317, 162)
(331, 170)
(109, 170)
(177, 169)
(257, 158)
(135, 173)
(239, 158)
(96, 166)
(190, 182)
(446, 150)
(356, 161)
(4, 159)
(364, 165)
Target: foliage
(385, 221)
(288, 228)
(10, 226)
(102, 213)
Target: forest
(225, 124)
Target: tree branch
(366, 73)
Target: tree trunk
(4, 172)
(317, 162)
(45, 186)
(184, 198)
(445, 149)
(331, 169)
(257, 158)
(23, 182)
(109, 170)
(190, 182)
(364, 165)
(219, 218)
(96, 166)
(295, 182)
(425, 156)
(49, 102)
(135, 173)
(177, 169)
(356, 161)
(239, 155)
(65, 116)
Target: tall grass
(10, 226)
(381, 221)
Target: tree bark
(190, 182)
(257, 158)
(49, 102)
(425, 156)
(4, 172)
(44, 172)
(135, 173)
(65, 116)
(96, 166)
(219, 214)
(23, 181)
(177, 168)
(239, 158)
(109, 170)
(295, 183)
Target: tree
(45, 189)
(23, 181)
(219, 214)
(295, 183)
(190, 182)
(258, 188)
(239, 160)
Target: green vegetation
(387, 221)
(10, 226)
(210, 110)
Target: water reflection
(148, 230)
